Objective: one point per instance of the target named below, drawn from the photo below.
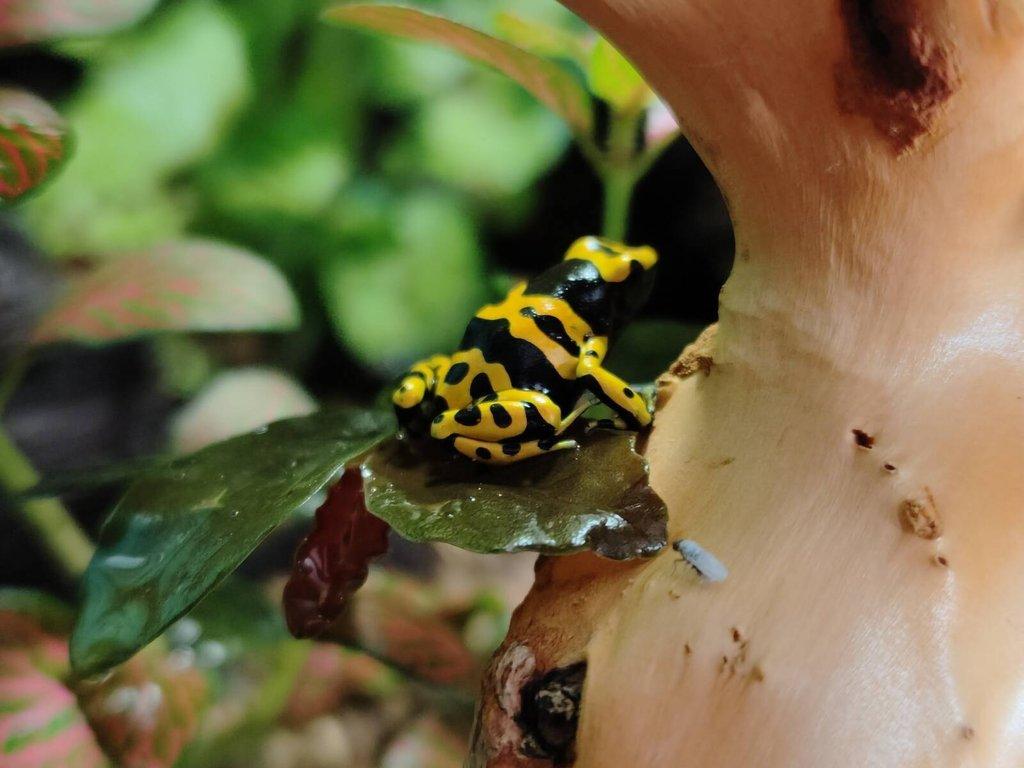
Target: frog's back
(530, 340)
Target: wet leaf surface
(553, 86)
(100, 476)
(190, 285)
(181, 528)
(34, 142)
(333, 561)
(593, 497)
(25, 21)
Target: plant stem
(11, 378)
(619, 175)
(58, 531)
(618, 194)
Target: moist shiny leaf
(181, 528)
(333, 561)
(594, 497)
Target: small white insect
(709, 567)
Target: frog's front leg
(419, 382)
(613, 391)
(507, 426)
(414, 399)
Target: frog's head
(627, 271)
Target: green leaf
(547, 81)
(100, 476)
(192, 285)
(646, 348)
(51, 615)
(614, 79)
(34, 143)
(30, 21)
(179, 530)
(593, 497)
(414, 298)
(185, 364)
(287, 163)
(543, 39)
(236, 402)
(235, 618)
(455, 134)
(152, 102)
(411, 75)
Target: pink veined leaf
(552, 85)
(662, 125)
(236, 402)
(331, 677)
(399, 621)
(182, 286)
(147, 710)
(40, 723)
(33, 142)
(29, 21)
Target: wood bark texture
(850, 440)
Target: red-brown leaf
(333, 560)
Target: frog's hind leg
(613, 391)
(507, 426)
(507, 453)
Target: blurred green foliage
(369, 173)
(363, 167)
(367, 168)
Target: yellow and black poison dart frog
(531, 364)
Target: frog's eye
(614, 260)
(607, 247)
(591, 248)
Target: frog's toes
(614, 423)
